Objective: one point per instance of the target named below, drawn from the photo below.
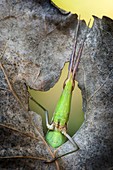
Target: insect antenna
(73, 55)
(79, 54)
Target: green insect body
(55, 138)
(57, 130)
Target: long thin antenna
(72, 58)
(80, 52)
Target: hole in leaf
(49, 100)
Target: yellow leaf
(87, 8)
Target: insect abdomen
(55, 138)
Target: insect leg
(49, 126)
(71, 140)
(51, 161)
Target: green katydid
(57, 134)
